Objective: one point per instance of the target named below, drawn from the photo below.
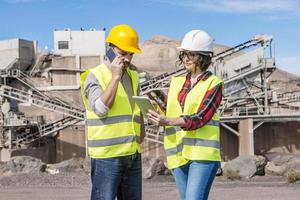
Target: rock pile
(244, 167)
(287, 165)
(22, 164)
(153, 167)
(241, 168)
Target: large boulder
(282, 164)
(22, 164)
(154, 166)
(3, 168)
(244, 167)
(275, 170)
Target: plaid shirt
(208, 106)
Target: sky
(230, 22)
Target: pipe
(63, 69)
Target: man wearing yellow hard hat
(113, 120)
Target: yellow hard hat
(124, 37)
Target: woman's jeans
(117, 177)
(194, 179)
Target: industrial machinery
(246, 94)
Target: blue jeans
(194, 179)
(117, 177)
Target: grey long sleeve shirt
(93, 92)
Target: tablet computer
(144, 104)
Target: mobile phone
(110, 54)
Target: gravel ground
(76, 186)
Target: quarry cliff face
(160, 53)
(284, 81)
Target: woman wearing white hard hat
(192, 140)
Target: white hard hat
(197, 40)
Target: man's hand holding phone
(117, 67)
(117, 63)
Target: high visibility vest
(118, 132)
(200, 144)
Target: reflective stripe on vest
(113, 120)
(193, 142)
(113, 141)
(200, 144)
(118, 133)
(174, 129)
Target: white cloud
(290, 64)
(240, 6)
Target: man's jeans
(194, 179)
(119, 177)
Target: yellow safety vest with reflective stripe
(118, 133)
(200, 144)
